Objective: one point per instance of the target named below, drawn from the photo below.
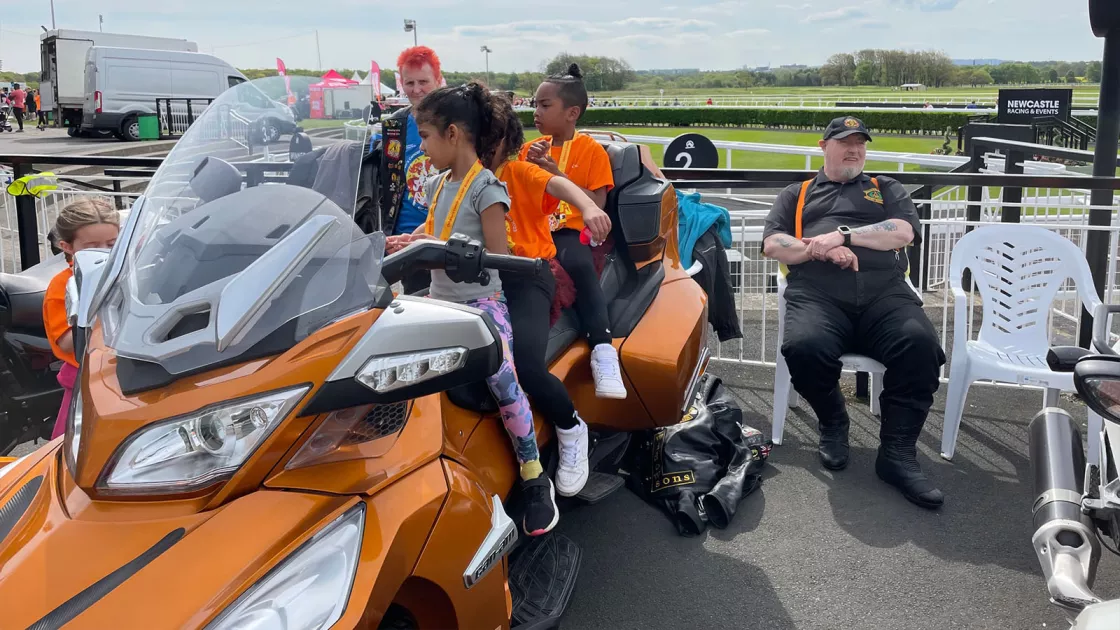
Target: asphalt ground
(814, 549)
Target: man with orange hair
(404, 167)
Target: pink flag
(287, 80)
(375, 79)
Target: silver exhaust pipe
(1065, 538)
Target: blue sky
(708, 34)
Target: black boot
(897, 463)
(832, 418)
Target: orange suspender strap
(800, 208)
(801, 204)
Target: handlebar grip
(516, 265)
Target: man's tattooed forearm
(885, 226)
(784, 241)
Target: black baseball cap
(845, 126)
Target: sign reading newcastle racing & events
(1021, 107)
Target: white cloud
(748, 32)
(835, 15)
(709, 34)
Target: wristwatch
(847, 232)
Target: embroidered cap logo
(851, 123)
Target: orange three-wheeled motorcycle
(264, 436)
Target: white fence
(1081, 100)
(755, 275)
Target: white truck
(63, 53)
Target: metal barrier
(178, 114)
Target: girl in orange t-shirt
(561, 101)
(533, 194)
(83, 224)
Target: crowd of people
(456, 161)
(23, 105)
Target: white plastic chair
(784, 394)
(1018, 270)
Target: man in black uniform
(841, 235)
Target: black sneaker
(541, 514)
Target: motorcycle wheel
(397, 618)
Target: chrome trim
(694, 382)
(498, 542)
(416, 325)
(1068, 570)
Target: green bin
(149, 126)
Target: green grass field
(989, 91)
(743, 159)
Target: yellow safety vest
(37, 185)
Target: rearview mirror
(72, 301)
(89, 266)
(1098, 382)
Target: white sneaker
(607, 372)
(571, 474)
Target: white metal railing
(925, 161)
(755, 276)
(1082, 101)
(48, 208)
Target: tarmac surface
(814, 549)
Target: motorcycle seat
(21, 294)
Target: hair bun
(574, 71)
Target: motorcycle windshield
(239, 249)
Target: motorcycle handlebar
(516, 265)
(463, 259)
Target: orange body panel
(660, 355)
(573, 368)
(51, 557)
(461, 528)
(427, 490)
(111, 416)
(417, 444)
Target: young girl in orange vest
(564, 152)
(83, 224)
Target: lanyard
(565, 210)
(453, 211)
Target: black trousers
(18, 113)
(530, 301)
(591, 304)
(873, 313)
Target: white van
(124, 82)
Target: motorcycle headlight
(309, 589)
(385, 374)
(193, 451)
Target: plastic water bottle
(586, 238)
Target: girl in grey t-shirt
(460, 133)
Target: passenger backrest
(634, 204)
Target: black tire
(398, 618)
(130, 129)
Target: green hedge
(920, 121)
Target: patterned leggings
(512, 403)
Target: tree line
(871, 67)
